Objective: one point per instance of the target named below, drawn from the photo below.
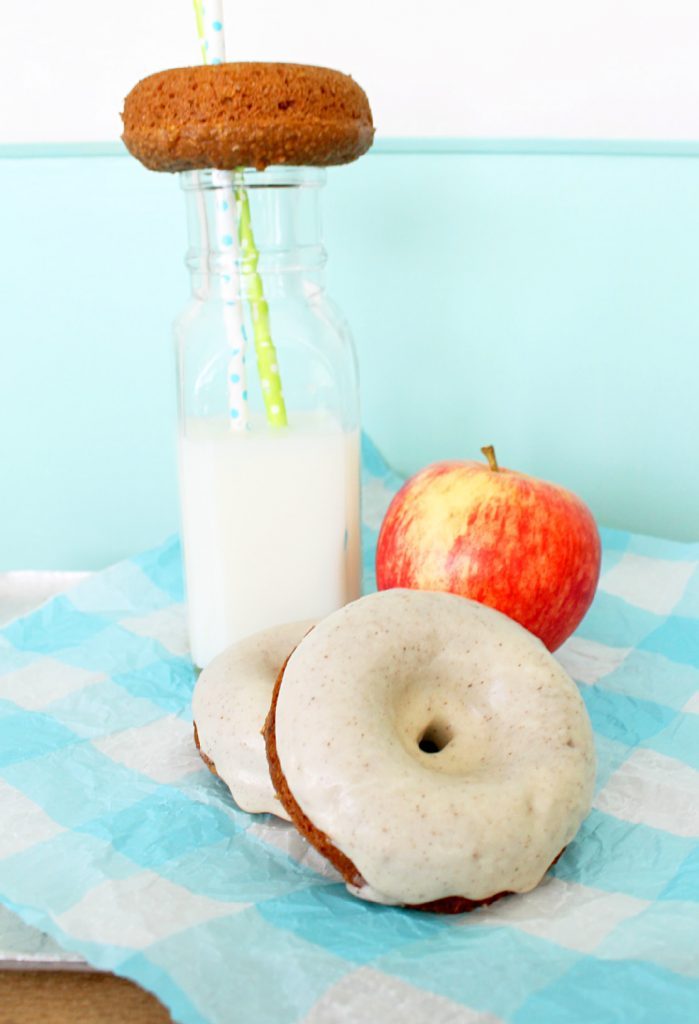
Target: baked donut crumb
(253, 114)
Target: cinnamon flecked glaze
(228, 116)
(449, 829)
(324, 845)
(229, 705)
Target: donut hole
(435, 737)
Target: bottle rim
(277, 176)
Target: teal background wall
(543, 301)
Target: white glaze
(229, 705)
(494, 807)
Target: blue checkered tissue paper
(118, 842)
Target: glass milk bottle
(268, 412)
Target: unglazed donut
(246, 115)
(229, 706)
(431, 748)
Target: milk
(270, 526)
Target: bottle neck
(247, 225)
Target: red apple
(524, 546)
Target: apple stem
(489, 452)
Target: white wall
(528, 68)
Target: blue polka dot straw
(212, 19)
(209, 17)
(224, 211)
(235, 237)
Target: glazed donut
(431, 748)
(246, 115)
(229, 706)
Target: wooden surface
(48, 997)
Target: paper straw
(265, 352)
(199, 15)
(211, 36)
(209, 30)
(224, 212)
